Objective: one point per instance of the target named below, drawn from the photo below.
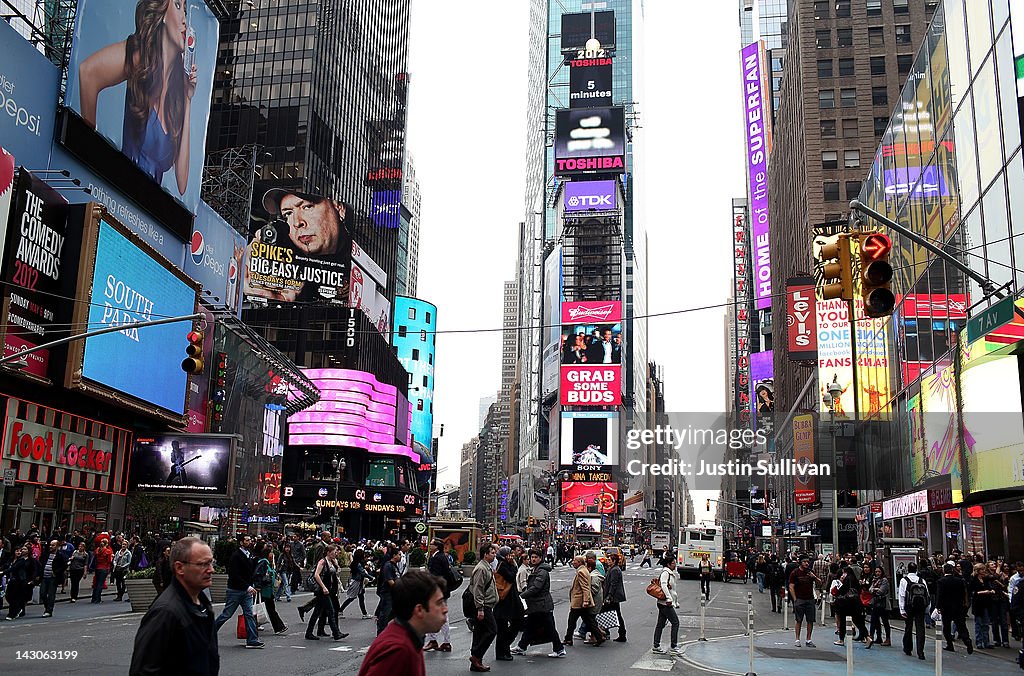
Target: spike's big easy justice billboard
(592, 349)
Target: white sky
(467, 118)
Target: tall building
(409, 232)
(415, 332)
(547, 244)
(467, 473)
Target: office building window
(881, 123)
(874, 7)
(419, 404)
(851, 159)
(415, 354)
(901, 6)
(412, 313)
(823, 39)
(821, 10)
(842, 9)
(846, 67)
(904, 62)
(829, 159)
(844, 37)
(876, 36)
(903, 34)
(428, 317)
(824, 67)
(425, 381)
(852, 189)
(828, 128)
(831, 191)
(879, 96)
(402, 330)
(878, 65)
(826, 98)
(848, 97)
(850, 128)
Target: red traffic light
(875, 246)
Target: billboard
(589, 140)
(302, 251)
(183, 464)
(366, 289)
(589, 440)
(757, 118)
(270, 488)
(590, 196)
(215, 259)
(590, 86)
(37, 229)
(806, 485)
(586, 497)
(143, 79)
(591, 349)
(588, 525)
(394, 502)
(128, 282)
(386, 208)
(992, 420)
(801, 319)
(28, 98)
(762, 389)
(740, 381)
(578, 28)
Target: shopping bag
(240, 628)
(259, 611)
(608, 619)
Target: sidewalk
(774, 653)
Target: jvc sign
(589, 196)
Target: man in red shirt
(419, 609)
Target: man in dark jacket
(240, 591)
(540, 617)
(176, 636)
(615, 593)
(439, 565)
(951, 600)
(55, 565)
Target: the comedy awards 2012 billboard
(142, 76)
(592, 349)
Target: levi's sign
(589, 196)
(26, 441)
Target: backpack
(917, 595)
(453, 578)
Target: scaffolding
(228, 178)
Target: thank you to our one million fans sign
(592, 349)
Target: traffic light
(708, 505)
(837, 271)
(875, 274)
(193, 364)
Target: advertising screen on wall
(28, 98)
(36, 230)
(586, 497)
(762, 389)
(757, 118)
(801, 319)
(215, 259)
(143, 79)
(183, 464)
(590, 196)
(993, 421)
(125, 281)
(578, 28)
(301, 251)
(301, 498)
(590, 140)
(591, 349)
(590, 86)
(805, 485)
(588, 525)
(589, 440)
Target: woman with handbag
(508, 613)
(325, 575)
(879, 589)
(76, 568)
(265, 580)
(357, 583)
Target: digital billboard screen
(590, 86)
(301, 251)
(183, 464)
(577, 29)
(590, 140)
(215, 259)
(586, 497)
(128, 284)
(590, 196)
(588, 525)
(589, 440)
(142, 75)
(591, 353)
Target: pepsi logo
(198, 248)
(191, 43)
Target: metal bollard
(702, 605)
(849, 645)
(785, 610)
(750, 633)
(824, 602)
(939, 642)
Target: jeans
(1000, 628)
(880, 619)
(283, 586)
(760, 582)
(777, 602)
(48, 593)
(914, 622)
(119, 576)
(98, 579)
(384, 613)
(324, 609)
(484, 632)
(540, 628)
(666, 613)
(233, 599)
(76, 580)
(981, 623)
(705, 586)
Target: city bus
(696, 541)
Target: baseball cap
(272, 199)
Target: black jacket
(176, 637)
(614, 591)
(440, 566)
(240, 570)
(951, 595)
(538, 590)
(510, 607)
(60, 566)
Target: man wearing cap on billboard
(316, 229)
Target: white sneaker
(810, 644)
(366, 617)
(517, 651)
(797, 643)
(560, 653)
(659, 650)
(677, 650)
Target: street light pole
(339, 467)
(834, 392)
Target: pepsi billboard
(216, 259)
(589, 196)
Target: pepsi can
(190, 47)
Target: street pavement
(103, 634)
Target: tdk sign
(589, 196)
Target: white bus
(697, 541)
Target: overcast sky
(467, 126)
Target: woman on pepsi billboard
(161, 80)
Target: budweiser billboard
(801, 321)
(592, 348)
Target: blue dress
(148, 145)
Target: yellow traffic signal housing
(837, 270)
(876, 274)
(193, 363)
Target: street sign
(420, 527)
(9, 475)
(990, 319)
